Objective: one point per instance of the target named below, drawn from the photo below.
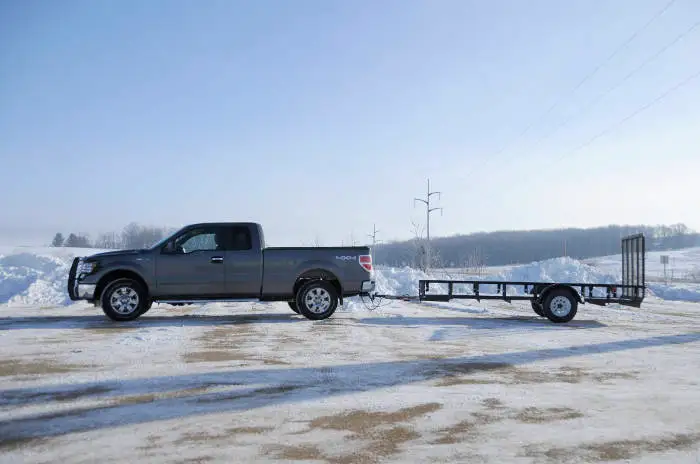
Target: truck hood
(108, 254)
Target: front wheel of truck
(293, 305)
(317, 300)
(124, 300)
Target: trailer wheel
(293, 305)
(317, 299)
(537, 307)
(559, 305)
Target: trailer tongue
(557, 301)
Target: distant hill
(516, 247)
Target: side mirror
(169, 248)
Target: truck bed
(283, 265)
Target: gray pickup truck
(221, 262)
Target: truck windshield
(162, 241)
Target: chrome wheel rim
(317, 300)
(124, 300)
(560, 306)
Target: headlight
(87, 268)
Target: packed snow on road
(403, 382)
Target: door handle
(217, 259)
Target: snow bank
(557, 270)
(34, 280)
(675, 292)
(36, 276)
(399, 281)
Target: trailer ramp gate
(630, 292)
(633, 267)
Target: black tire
(556, 302)
(293, 305)
(537, 307)
(326, 300)
(148, 305)
(137, 297)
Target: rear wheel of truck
(146, 307)
(317, 300)
(124, 300)
(293, 305)
(559, 305)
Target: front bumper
(76, 289)
(86, 291)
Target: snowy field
(406, 382)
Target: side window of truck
(241, 239)
(209, 239)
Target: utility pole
(428, 210)
(373, 235)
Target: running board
(232, 300)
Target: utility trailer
(557, 301)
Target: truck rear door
(243, 263)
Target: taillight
(366, 262)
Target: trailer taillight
(366, 262)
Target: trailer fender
(549, 288)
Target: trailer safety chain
(372, 304)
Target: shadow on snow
(102, 322)
(503, 322)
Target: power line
(581, 82)
(624, 79)
(636, 112)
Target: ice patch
(151, 337)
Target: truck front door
(192, 264)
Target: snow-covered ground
(407, 382)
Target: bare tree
(418, 243)
(135, 236)
(108, 241)
(475, 261)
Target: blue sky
(320, 118)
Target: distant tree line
(133, 236)
(474, 251)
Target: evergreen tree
(58, 240)
(71, 241)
